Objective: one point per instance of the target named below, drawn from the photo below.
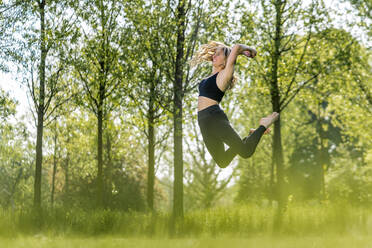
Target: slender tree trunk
(40, 111)
(322, 154)
(54, 168)
(66, 190)
(10, 200)
(272, 180)
(101, 98)
(275, 100)
(278, 160)
(39, 158)
(151, 155)
(99, 159)
(108, 189)
(178, 94)
(67, 173)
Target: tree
(180, 19)
(289, 61)
(40, 48)
(99, 61)
(348, 77)
(150, 90)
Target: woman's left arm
(224, 77)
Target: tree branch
(297, 68)
(284, 105)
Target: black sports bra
(208, 88)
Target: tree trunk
(108, 188)
(54, 167)
(322, 153)
(177, 115)
(40, 111)
(10, 200)
(275, 100)
(67, 173)
(99, 158)
(151, 155)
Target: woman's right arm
(226, 74)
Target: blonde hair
(205, 54)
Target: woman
(213, 122)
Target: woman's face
(219, 58)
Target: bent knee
(246, 153)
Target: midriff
(205, 102)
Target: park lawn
(332, 241)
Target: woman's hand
(245, 50)
(250, 53)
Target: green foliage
(124, 175)
(16, 159)
(363, 6)
(350, 180)
(7, 105)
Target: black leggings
(216, 130)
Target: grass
(259, 241)
(327, 225)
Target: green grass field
(342, 241)
(336, 226)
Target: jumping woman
(213, 122)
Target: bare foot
(270, 119)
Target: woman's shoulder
(211, 76)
